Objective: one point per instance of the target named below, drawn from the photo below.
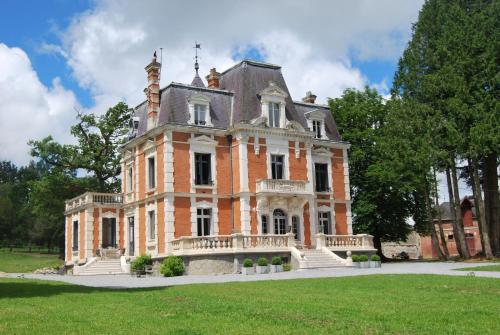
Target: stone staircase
(103, 267)
(314, 259)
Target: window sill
(207, 187)
(323, 192)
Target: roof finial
(196, 47)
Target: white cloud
(28, 109)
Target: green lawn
(384, 304)
(26, 262)
(495, 267)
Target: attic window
(274, 115)
(316, 125)
(200, 114)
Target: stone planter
(247, 271)
(357, 265)
(261, 269)
(364, 265)
(276, 268)
(374, 264)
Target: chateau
(223, 171)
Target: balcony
(281, 186)
(94, 198)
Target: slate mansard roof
(243, 83)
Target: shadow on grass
(27, 288)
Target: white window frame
(130, 177)
(273, 94)
(204, 216)
(148, 186)
(200, 100)
(150, 231)
(278, 147)
(203, 145)
(322, 156)
(316, 116)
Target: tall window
(324, 225)
(151, 172)
(264, 222)
(316, 128)
(75, 235)
(203, 221)
(203, 175)
(321, 171)
(200, 114)
(296, 227)
(152, 226)
(274, 114)
(130, 179)
(279, 222)
(277, 165)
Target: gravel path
(127, 281)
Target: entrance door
(279, 222)
(108, 233)
(131, 237)
(296, 227)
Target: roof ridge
(310, 104)
(252, 62)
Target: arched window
(279, 221)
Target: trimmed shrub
(172, 266)
(276, 260)
(375, 258)
(139, 264)
(287, 267)
(247, 263)
(355, 258)
(363, 258)
(262, 261)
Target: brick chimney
(213, 78)
(153, 91)
(310, 98)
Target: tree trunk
(377, 244)
(453, 213)
(492, 202)
(458, 210)
(480, 213)
(440, 221)
(434, 238)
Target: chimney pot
(309, 98)
(213, 78)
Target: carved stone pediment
(294, 125)
(316, 114)
(260, 121)
(321, 151)
(202, 140)
(273, 90)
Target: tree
(98, 139)
(451, 66)
(381, 205)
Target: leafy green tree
(98, 139)
(381, 204)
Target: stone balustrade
(230, 243)
(94, 198)
(345, 242)
(281, 186)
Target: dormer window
(317, 127)
(200, 113)
(274, 115)
(272, 100)
(199, 107)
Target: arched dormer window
(316, 123)
(273, 106)
(199, 110)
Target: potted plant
(276, 264)
(364, 263)
(375, 261)
(355, 261)
(261, 265)
(138, 265)
(247, 268)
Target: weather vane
(196, 47)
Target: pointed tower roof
(197, 81)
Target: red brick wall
(298, 166)
(160, 209)
(121, 222)
(257, 165)
(307, 226)
(182, 168)
(81, 232)
(142, 229)
(224, 207)
(341, 219)
(338, 174)
(160, 171)
(253, 216)
(69, 237)
(96, 229)
(182, 216)
(223, 166)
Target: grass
(495, 267)
(384, 304)
(26, 262)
